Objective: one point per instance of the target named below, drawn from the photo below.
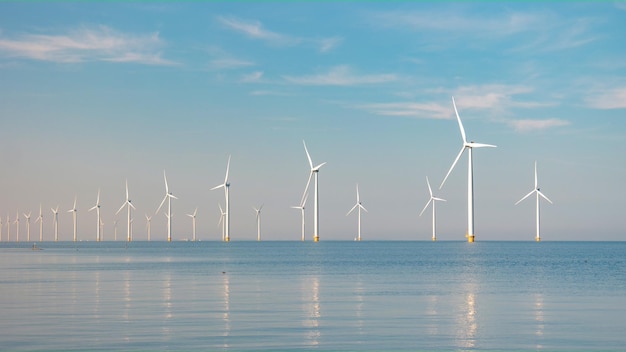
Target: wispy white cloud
(340, 76)
(612, 98)
(621, 5)
(252, 77)
(327, 44)
(495, 97)
(269, 93)
(99, 43)
(526, 125)
(409, 109)
(228, 63)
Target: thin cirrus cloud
(606, 99)
(340, 76)
(100, 43)
(409, 109)
(528, 125)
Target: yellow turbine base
(470, 238)
(227, 239)
(316, 239)
(538, 239)
(434, 239)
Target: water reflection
(226, 308)
(467, 324)
(312, 310)
(538, 313)
(167, 305)
(431, 311)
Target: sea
(305, 296)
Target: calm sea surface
(190, 296)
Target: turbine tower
(358, 206)
(27, 216)
(258, 221)
(99, 220)
(301, 207)
(168, 197)
(148, 218)
(73, 211)
(17, 226)
(314, 170)
(56, 223)
(40, 220)
(193, 223)
(8, 228)
(470, 174)
(127, 203)
(538, 193)
(432, 200)
(115, 230)
(226, 186)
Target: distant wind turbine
(226, 186)
(538, 193)
(40, 220)
(221, 222)
(56, 223)
(27, 216)
(314, 171)
(8, 228)
(17, 225)
(1, 225)
(115, 230)
(470, 174)
(432, 200)
(258, 221)
(168, 197)
(101, 230)
(128, 204)
(148, 218)
(193, 223)
(73, 211)
(358, 206)
(98, 220)
(301, 207)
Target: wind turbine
(433, 200)
(40, 220)
(258, 221)
(221, 222)
(73, 211)
(1, 224)
(358, 206)
(8, 228)
(301, 207)
(538, 193)
(128, 204)
(148, 218)
(226, 186)
(314, 170)
(115, 230)
(56, 223)
(168, 196)
(101, 230)
(99, 220)
(193, 223)
(27, 216)
(470, 174)
(17, 225)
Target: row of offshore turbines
(224, 220)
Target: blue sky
(92, 94)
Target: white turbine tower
(538, 193)
(358, 206)
(56, 223)
(1, 225)
(27, 216)
(301, 207)
(40, 220)
(8, 228)
(73, 211)
(432, 200)
(168, 197)
(226, 186)
(115, 230)
(17, 225)
(314, 170)
(128, 204)
(98, 220)
(258, 221)
(101, 230)
(221, 222)
(193, 223)
(148, 218)
(470, 174)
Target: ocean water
(383, 296)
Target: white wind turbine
(1, 225)
(314, 170)
(17, 225)
(73, 211)
(148, 218)
(258, 221)
(470, 174)
(538, 193)
(27, 216)
(193, 223)
(168, 197)
(128, 204)
(358, 206)
(56, 223)
(115, 230)
(101, 230)
(99, 220)
(226, 186)
(8, 228)
(40, 220)
(433, 200)
(301, 207)
(221, 222)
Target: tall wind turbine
(432, 200)
(193, 223)
(168, 197)
(258, 221)
(470, 174)
(56, 223)
(226, 186)
(148, 218)
(538, 193)
(314, 171)
(128, 204)
(358, 206)
(301, 207)
(73, 211)
(99, 220)
(40, 220)
(221, 222)
(17, 225)
(27, 216)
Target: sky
(94, 94)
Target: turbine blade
(127, 189)
(307, 155)
(526, 196)
(452, 167)
(219, 186)
(98, 198)
(544, 197)
(160, 205)
(459, 120)
(441, 199)
(172, 196)
(429, 189)
(92, 208)
(131, 205)
(227, 170)
(426, 206)
(481, 145)
(306, 189)
(74, 208)
(357, 193)
(167, 190)
(535, 174)
(122, 207)
(319, 166)
(354, 207)
(362, 207)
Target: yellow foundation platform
(470, 238)
(316, 239)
